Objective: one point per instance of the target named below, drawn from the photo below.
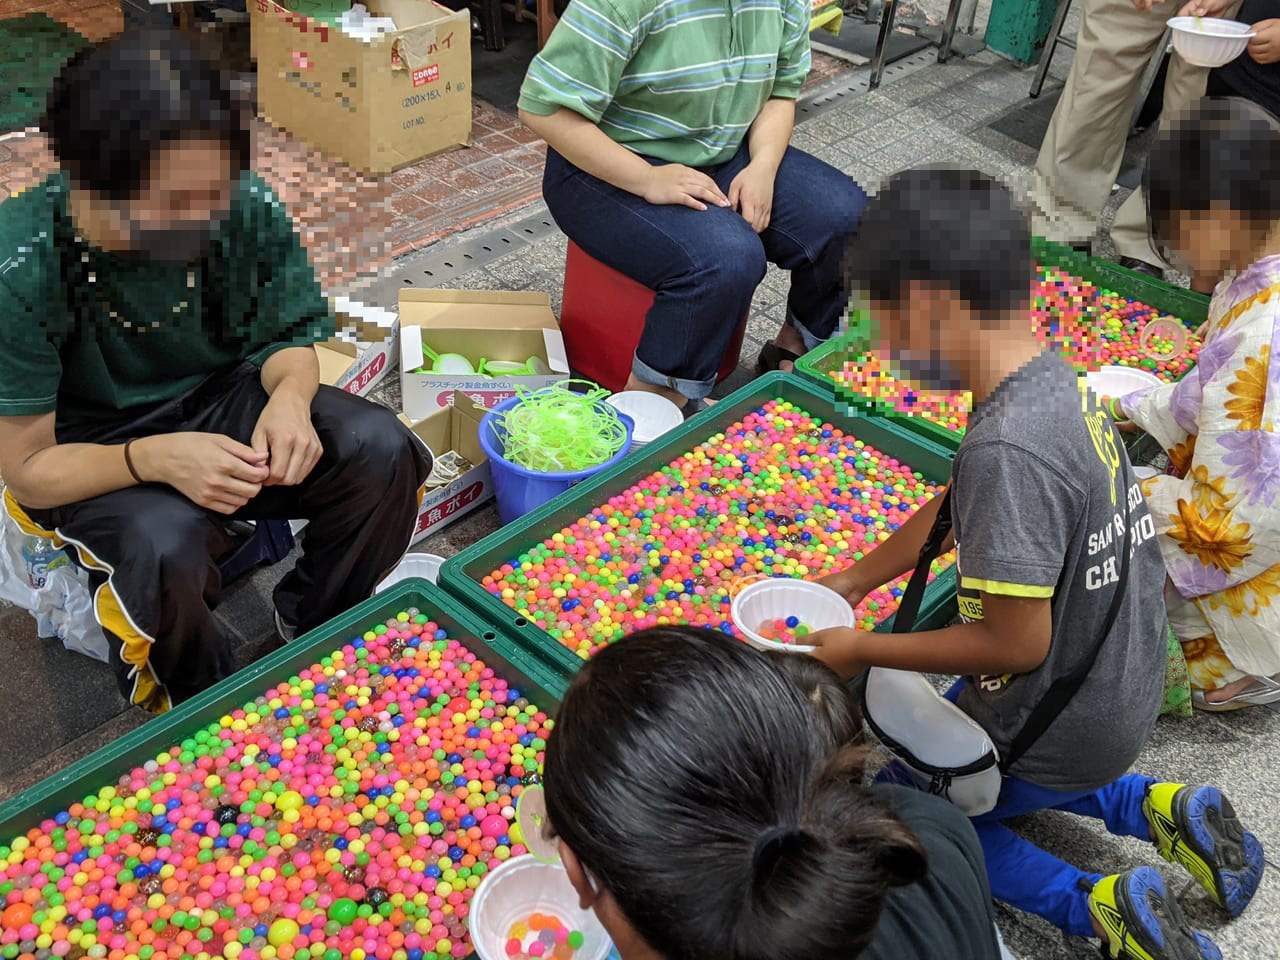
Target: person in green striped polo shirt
(669, 125)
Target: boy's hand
(847, 584)
(837, 647)
(1265, 47)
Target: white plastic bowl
(423, 565)
(776, 599)
(1209, 41)
(654, 415)
(519, 888)
(1116, 381)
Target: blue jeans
(1024, 876)
(705, 265)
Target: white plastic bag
(53, 590)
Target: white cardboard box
(365, 349)
(478, 325)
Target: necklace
(100, 295)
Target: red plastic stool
(602, 318)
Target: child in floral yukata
(1214, 191)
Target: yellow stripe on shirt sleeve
(1000, 589)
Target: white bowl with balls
(519, 888)
(763, 602)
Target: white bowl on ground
(653, 415)
(423, 565)
(518, 888)
(1209, 41)
(1116, 381)
(776, 599)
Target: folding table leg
(949, 30)
(1055, 37)
(882, 42)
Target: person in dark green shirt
(157, 316)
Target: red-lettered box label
(426, 75)
(365, 376)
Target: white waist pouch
(941, 748)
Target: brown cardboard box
(455, 428)
(479, 324)
(378, 105)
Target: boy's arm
(891, 559)
(1013, 638)
(1015, 514)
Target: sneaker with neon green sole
(1140, 921)
(1198, 828)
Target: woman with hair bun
(707, 809)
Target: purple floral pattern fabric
(1218, 523)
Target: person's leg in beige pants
(1084, 145)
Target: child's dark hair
(115, 104)
(829, 699)
(687, 774)
(1222, 154)
(947, 229)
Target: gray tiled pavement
(55, 706)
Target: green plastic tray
(462, 574)
(1189, 307)
(822, 360)
(530, 675)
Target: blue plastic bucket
(519, 490)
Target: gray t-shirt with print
(1037, 511)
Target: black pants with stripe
(152, 553)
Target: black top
(1244, 76)
(948, 913)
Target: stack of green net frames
(558, 430)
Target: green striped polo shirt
(677, 80)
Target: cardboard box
(478, 325)
(378, 105)
(364, 351)
(457, 428)
(358, 367)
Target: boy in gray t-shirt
(1039, 494)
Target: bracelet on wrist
(1116, 414)
(128, 461)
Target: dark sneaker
(1142, 922)
(1197, 827)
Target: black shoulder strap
(909, 606)
(1065, 687)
